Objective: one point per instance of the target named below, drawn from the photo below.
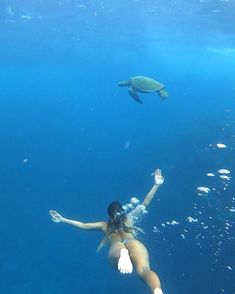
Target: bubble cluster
(134, 209)
(210, 225)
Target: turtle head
(124, 83)
(163, 94)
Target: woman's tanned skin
(125, 250)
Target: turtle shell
(145, 84)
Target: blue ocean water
(73, 141)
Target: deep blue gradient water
(73, 141)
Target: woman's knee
(149, 276)
(143, 270)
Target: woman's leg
(140, 259)
(114, 253)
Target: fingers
(53, 213)
(158, 177)
(158, 172)
(56, 217)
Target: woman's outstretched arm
(136, 212)
(96, 226)
(158, 181)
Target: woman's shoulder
(104, 226)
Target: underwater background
(73, 141)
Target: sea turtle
(144, 85)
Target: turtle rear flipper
(134, 95)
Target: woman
(125, 250)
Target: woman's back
(121, 235)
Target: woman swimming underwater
(125, 250)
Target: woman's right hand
(56, 217)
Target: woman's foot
(157, 291)
(124, 263)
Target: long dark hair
(116, 216)
(116, 220)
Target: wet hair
(116, 216)
(116, 222)
(115, 208)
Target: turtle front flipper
(134, 95)
(163, 94)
